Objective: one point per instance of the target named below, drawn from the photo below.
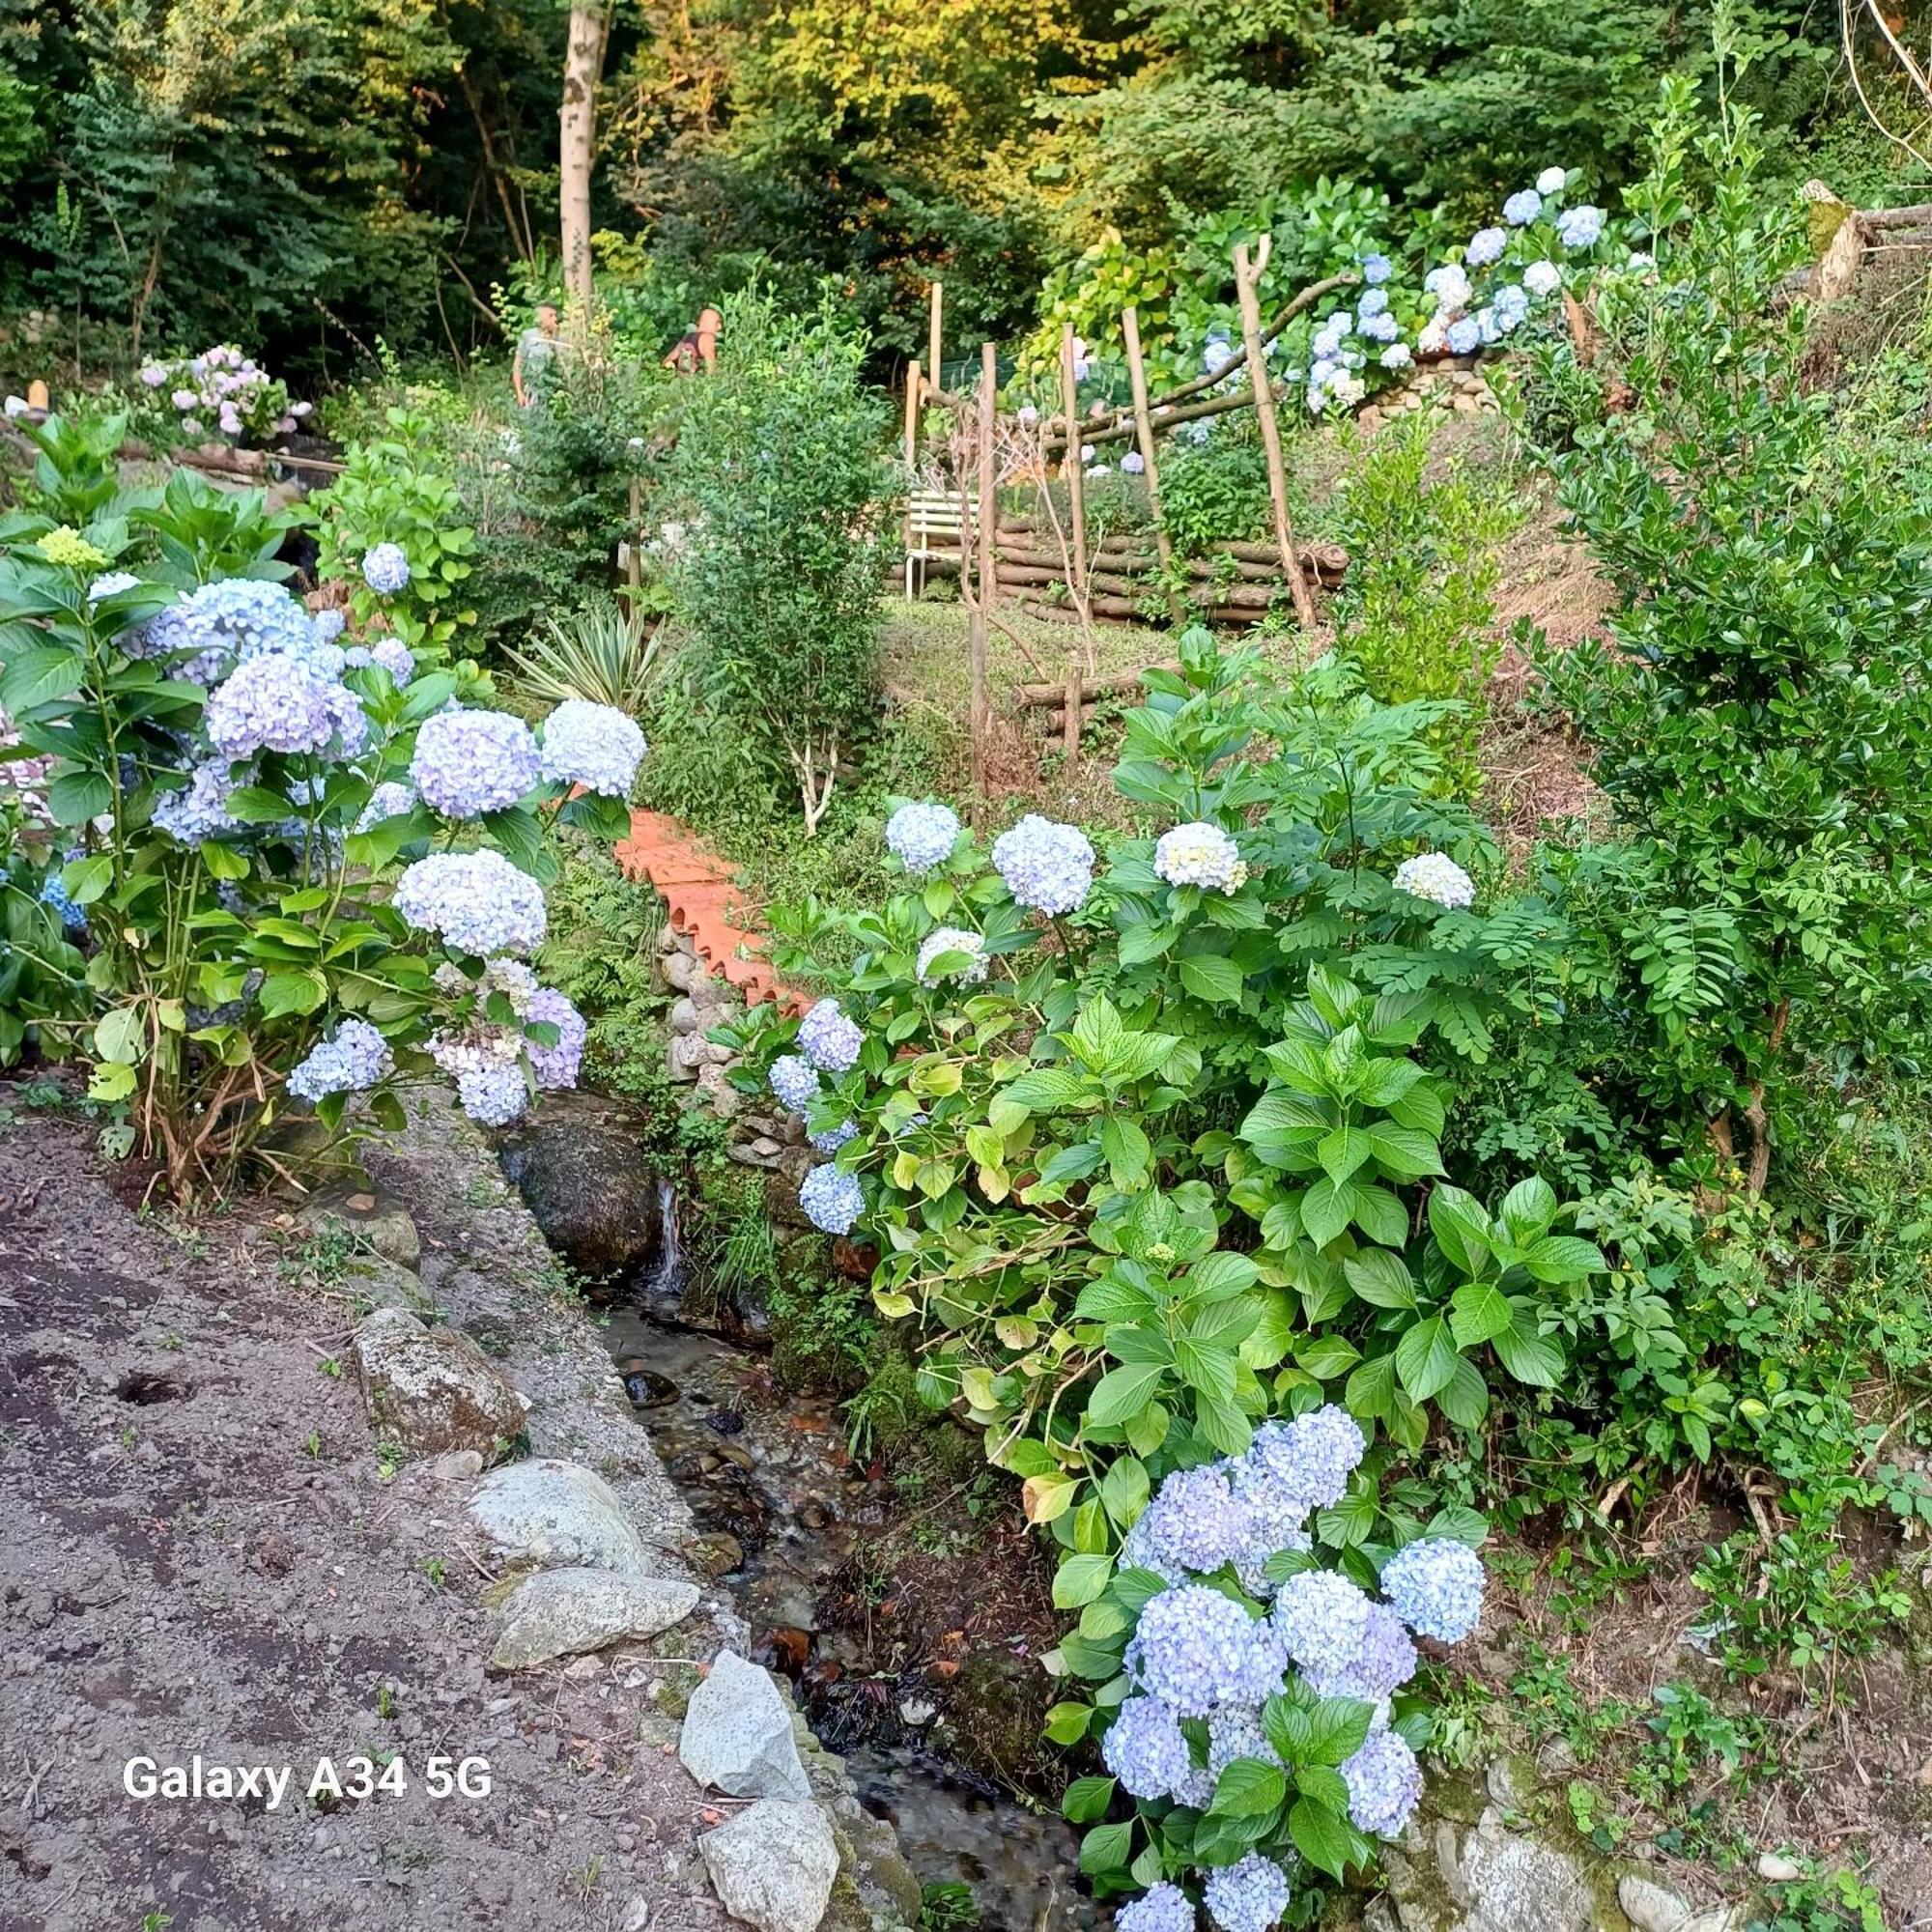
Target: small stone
(1775, 1869)
(563, 1612)
(678, 968)
(376, 1220)
(432, 1390)
(738, 1736)
(773, 1865)
(1652, 1906)
(457, 1466)
(683, 1015)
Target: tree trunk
(576, 147)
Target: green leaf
(1405, 1154)
(1381, 1278)
(1127, 1149)
(1426, 1357)
(1337, 1728)
(1124, 1392)
(86, 879)
(1066, 1723)
(1212, 976)
(1327, 1209)
(223, 862)
(1529, 1356)
(257, 805)
(1106, 1847)
(1560, 1257)
(1045, 1088)
(1371, 1389)
(75, 797)
(1528, 1208)
(1478, 1313)
(1321, 1838)
(39, 676)
(1342, 1152)
(1079, 1580)
(1206, 1368)
(1327, 1356)
(1123, 1490)
(121, 1036)
(292, 993)
(1380, 1214)
(110, 1081)
(1087, 1799)
(1465, 1400)
(1249, 1787)
(1461, 1226)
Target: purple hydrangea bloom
(477, 903)
(1551, 180)
(1249, 1897)
(922, 837)
(1238, 1733)
(393, 655)
(469, 762)
(555, 1067)
(1373, 301)
(1311, 1456)
(385, 569)
(1384, 1663)
(222, 624)
(328, 626)
(1486, 245)
(1376, 269)
(1511, 307)
(829, 1039)
(111, 584)
(390, 800)
(1436, 1587)
(1133, 463)
(199, 811)
(795, 1081)
(1384, 1784)
(1466, 335)
(1200, 1650)
(1161, 1908)
(594, 745)
(1381, 328)
(1322, 1619)
(1144, 1749)
(1193, 1524)
(1047, 867)
(1523, 207)
(831, 1201)
(495, 1094)
(353, 1060)
(1581, 227)
(270, 704)
(832, 1139)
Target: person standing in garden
(536, 360)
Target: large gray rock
(566, 1612)
(374, 1219)
(557, 1514)
(737, 1734)
(582, 1167)
(773, 1865)
(432, 1390)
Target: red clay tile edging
(701, 896)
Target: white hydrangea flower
(1200, 854)
(944, 939)
(1436, 877)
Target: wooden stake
(933, 337)
(987, 568)
(637, 545)
(1070, 466)
(1247, 285)
(912, 420)
(1130, 326)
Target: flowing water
(780, 1509)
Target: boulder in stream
(738, 1734)
(581, 1165)
(773, 1864)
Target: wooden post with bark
(1130, 328)
(1070, 466)
(1248, 290)
(987, 568)
(577, 149)
(933, 338)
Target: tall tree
(577, 145)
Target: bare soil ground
(205, 1556)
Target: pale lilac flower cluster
(271, 704)
(1581, 227)
(830, 1139)
(469, 762)
(385, 569)
(1162, 1908)
(111, 584)
(1200, 854)
(1552, 180)
(594, 745)
(353, 1060)
(922, 837)
(555, 1067)
(831, 1201)
(392, 798)
(945, 939)
(390, 654)
(1436, 877)
(1145, 1750)
(1378, 1669)
(218, 626)
(1132, 464)
(1323, 1619)
(1047, 867)
(1523, 207)
(1486, 245)
(1436, 1587)
(1310, 1457)
(479, 1054)
(494, 1095)
(477, 903)
(1194, 1524)
(1249, 1896)
(1384, 1784)
(199, 811)
(1542, 279)
(1199, 1650)
(794, 1081)
(829, 1039)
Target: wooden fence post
(635, 546)
(932, 338)
(989, 567)
(1070, 466)
(1130, 328)
(1248, 290)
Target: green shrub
(778, 461)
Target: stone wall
(1456, 383)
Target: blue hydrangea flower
(945, 939)
(1200, 1650)
(1376, 269)
(54, 896)
(1448, 284)
(328, 626)
(1322, 1619)
(1311, 1456)
(1397, 356)
(1551, 180)
(469, 762)
(350, 721)
(1238, 1733)
(922, 837)
(1581, 227)
(1379, 1668)
(385, 569)
(1193, 1524)
(594, 745)
(392, 798)
(1511, 307)
(1373, 301)
(1436, 1587)
(477, 903)
(1486, 245)
(1542, 279)
(795, 1081)
(832, 1139)
(222, 624)
(1381, 328)
(1523, 207)
(199, 810)
(556, 1066)
(1133, 463)
(493, 1095)
(1249, 1897)
(351, 1063)
(270, 704)
(829, 1039)
(1145, 1750)
(1047, 867)
(1384, 1784)
(111, 585)
(1466, 335)
(1161, 1908)
(831, 1201)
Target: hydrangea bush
(1142, 1135)
(219, 393)
(235, 894)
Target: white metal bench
(931, 514)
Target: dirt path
(205, 1554)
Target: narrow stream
(780, 1508)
